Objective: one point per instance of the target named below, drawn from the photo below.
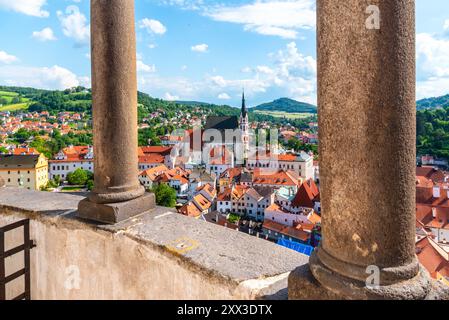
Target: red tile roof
(152, 158)
(431, 259)
(278, 178)
(163, 151)
(74, 154)
(307, 195)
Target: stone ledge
(245, 266)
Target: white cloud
(152, 26)
(432, 64)
(45, 34)
(142, 67)
(7, 58)
(264, 69)
(170, 97)
(55, 77)
(200, 48)
(224, 96)
(28, 7)
(283, 18)
(290, 74)
(74, 24)
(184, 4)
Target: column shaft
(366, 98)
(117, 194)
(114, 95)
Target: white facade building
(70, 159)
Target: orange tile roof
(190, 210)
(288, 231)
(231, 173)
(151, 158)
(75, 153)
(279, 178)
(25, 151)
(239, 191)
(431, 259)
(201, 201)
(225, 195)
(154, 172)
(209, 189)
(163, 151)
(307, 195)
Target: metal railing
(25, 247)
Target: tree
(90, 184)
(165, 195)
(78, 177)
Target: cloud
(224, 96)
(7, 58)
(74, 25)
(55, 77)
(28, 7)
(45, 34)
(184, 4)
(152, 26)
(282, 18)
(200, 48)
(142, 67)
(170, 97)
(289, 73)
(432, 63)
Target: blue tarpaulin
(299, 247)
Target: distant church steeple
(244, 128)
(244, 112)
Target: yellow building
(28, 171)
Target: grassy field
(15, 107)
(281, 114)
(8, 96)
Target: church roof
(222, 123)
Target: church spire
(244, 112)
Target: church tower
(244, 128)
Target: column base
(112, 213)
(317, 282)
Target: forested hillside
(433, 132)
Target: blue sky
(199, 49)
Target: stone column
(366, 98)
(117, 194)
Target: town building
(149, 177)
(277, 179)
(27, 170)
(154, 156)
(70, 159)
(300, 163)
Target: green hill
(433, 103)
(286, 105)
